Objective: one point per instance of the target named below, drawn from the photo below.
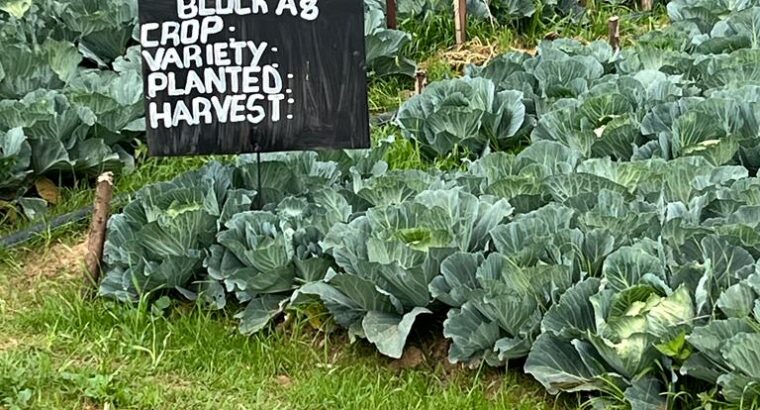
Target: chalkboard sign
(236, 76)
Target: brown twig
(613, 28)
(420, 81)
(96, 237)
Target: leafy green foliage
(78, 121)
(384, 46)
(390, 257)
(530, 256)
(503, 11)
(263, 256)
(15, 158)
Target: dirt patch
(412, 359)
(476, 52)
(18, 343)
(284, 381)
(60, 260)
(37, 271)
(10, 343)
(473, 52)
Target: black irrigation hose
(27, 234)
(80, 215)
(383, 118)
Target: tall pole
(613, 29)
(390, 14)
(460, 21)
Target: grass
(633, 23)
(60, 351)
(386, 94)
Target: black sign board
(236, 76)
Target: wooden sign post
(460, 21)
(390, 14)
(613, 29)
(96, 237)
(240, 76)
(420, 81)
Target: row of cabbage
(637, 280)
(691, 89)
(651, 210)
(71, 89)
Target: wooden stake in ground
(390, 14)
(613, 27)
(460, 21)
(97, 234)
(646, 5)
(420, 81)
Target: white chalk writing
(197, 72)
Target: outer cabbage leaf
(384, 46)
(15, 160)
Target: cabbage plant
(388, 257)
(384, 47)
(263, 256)
(160, 240)
(467, 114)
(726, 356)
(608, 338)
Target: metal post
(257, 150)
(260, 190)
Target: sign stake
(613, 29)
(257, 150)
(96, 237)
(390, 14)
(260, 193)
(460, 21)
